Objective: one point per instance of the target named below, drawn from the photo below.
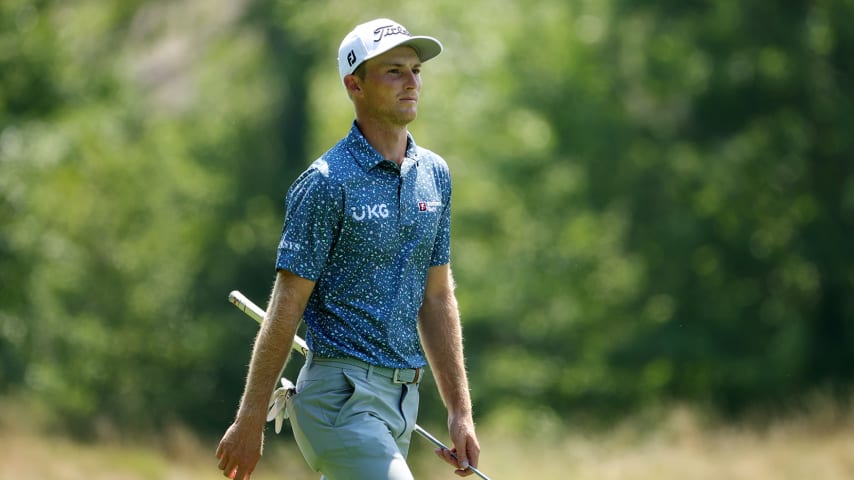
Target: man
(364, 260)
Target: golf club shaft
(256, 313)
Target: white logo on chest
(369, 212)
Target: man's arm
(441, 336)
(240, 447)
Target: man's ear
(351, 82)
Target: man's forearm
(441, 336)
(442, 339)
(272, 346)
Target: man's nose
(412, 79)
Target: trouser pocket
(322, 393)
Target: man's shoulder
(333, 167)
(432, 160)
(426, 153)
(325, 176)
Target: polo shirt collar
(366, 155)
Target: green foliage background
(654, 200)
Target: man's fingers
(473, 452)
(447, 456)
(462, 464)
(443, 454)
(467, 452)
(233, 470)
(462, 458)
(228, 469)
(228, 465)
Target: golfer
(364, 260)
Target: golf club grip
(251, 309)
(256, 313)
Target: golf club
(256, 313)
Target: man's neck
(389, 141)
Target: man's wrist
(251, 417)
(464, 414)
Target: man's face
(391, 86)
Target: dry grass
(799, 449)
(815, 446)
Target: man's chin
(409, 115)
(404, 120)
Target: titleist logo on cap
(388, 30)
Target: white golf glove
(278, 402)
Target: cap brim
(425, 47)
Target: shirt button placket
(406, 192)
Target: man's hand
(239, 451)
(240, 447)
(466, 449)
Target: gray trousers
(352, 421)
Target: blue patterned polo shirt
(366, 231)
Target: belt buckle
(396, 377)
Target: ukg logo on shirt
(369, 212)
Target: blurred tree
(653, 200)
(124, 220)
(734, 177)
(681, 232)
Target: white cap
(373, 38)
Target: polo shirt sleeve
(442, 245)
(312, 218)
